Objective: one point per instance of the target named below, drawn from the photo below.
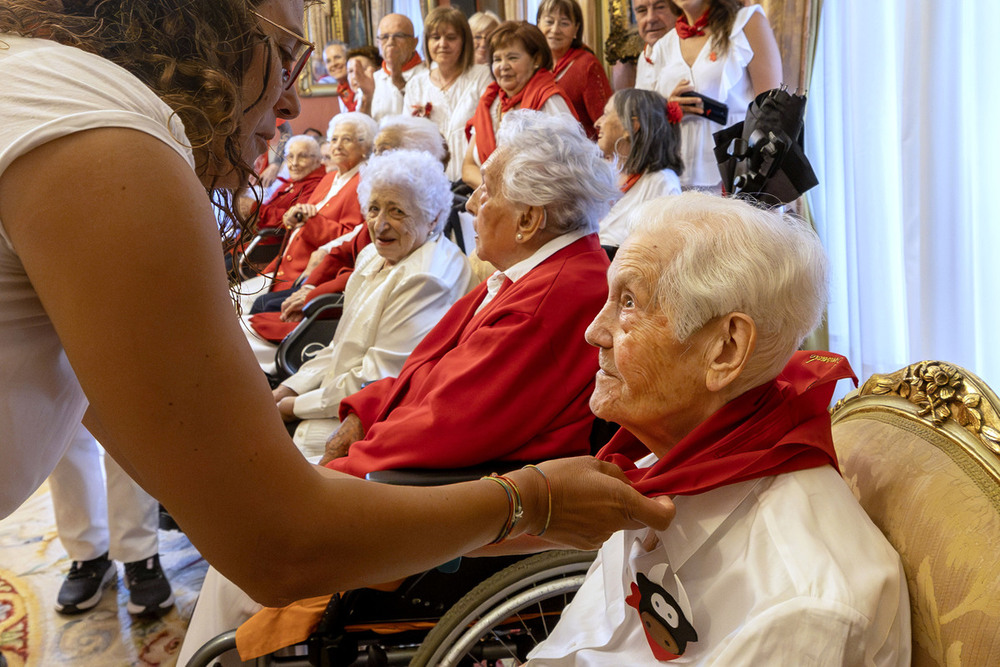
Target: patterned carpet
(32, 566)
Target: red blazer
(587, 87)
(512, 382)
(340, 215)
(330, 276)
(270, 212)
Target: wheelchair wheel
(505, 616)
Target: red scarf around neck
(780, 426)
(347, 95)
(566, 60)
(540, 87)
(630, 181)
(685, 29)
(410, 64)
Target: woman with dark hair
(576, 68)
(521, 80)
(638, 133)
(722, 50)
(175, 98)
(449, 89)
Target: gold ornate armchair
(921, 449)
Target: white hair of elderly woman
(416, 133)
(364, 127)
(549, 162)
(304, 139)
(419, 174)
(733, 256)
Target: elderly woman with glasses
(637, 134)
(449, 90)
(154, 363)
(521, 62)
(331, 212)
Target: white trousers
(222, 606)
(92, 516)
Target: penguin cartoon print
(667, 629)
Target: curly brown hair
(193, 54)
(721, 15)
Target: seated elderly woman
(637, 133)
(506, 374)
(770, 559)
(403, 283)
(275, 315)
(331, 211)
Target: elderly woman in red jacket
(522, 79)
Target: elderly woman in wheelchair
(506, 374)
(403, 283)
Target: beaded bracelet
(515, 509)
(548, 489)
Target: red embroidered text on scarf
(685, 29)
(540, 87)
(781, 426)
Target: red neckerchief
(646, 50)
(685, 30)
(540, 87)
(410, 64)
(347, 95)
(630, 181)
(566, 60)
(781, 426)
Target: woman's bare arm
(177, 397)
(470, 170)
(765, 66)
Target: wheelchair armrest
(430, 477)
(321, 303)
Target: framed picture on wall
(347, 21)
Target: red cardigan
(270, 212)
(329, 276)
(512, 382)
(340, 215)
(587, 87)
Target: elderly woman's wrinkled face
(647, 378)
(611, 138)
(513, 66)
(345, 148)
(496, 216)
(326, 150)
(302, 158)
(395, 222)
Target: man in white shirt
(653, 20)
(398, 45)
(770, 559)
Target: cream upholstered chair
(921, 449)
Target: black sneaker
(148, 589)
(84, 585)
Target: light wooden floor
(32, 566)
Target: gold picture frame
(348, 21)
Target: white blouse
(616, 225)
(450, 109)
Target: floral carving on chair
(940, 391)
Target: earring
(520, 236)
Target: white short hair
(416, 133)
(549, 162)
(417, 173)
(303, 139)
(364, 127)
(732, 256)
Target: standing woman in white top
(448, 91)
(638, 134)
(116, 117)
(723, 50)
